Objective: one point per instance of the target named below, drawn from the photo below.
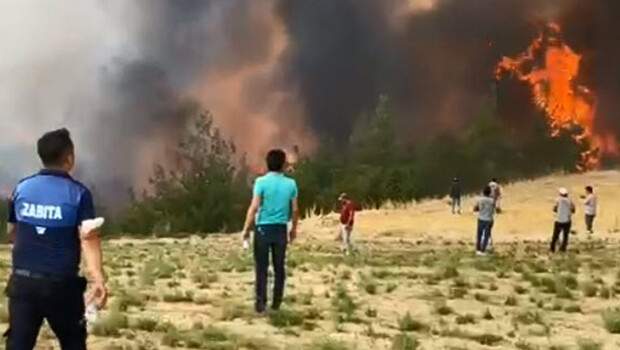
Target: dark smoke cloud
(437, 65)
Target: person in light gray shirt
(589, 208)
(486, 213)
(564, 209)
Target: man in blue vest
(273, 205)
(46, 211)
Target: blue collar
(54, 172)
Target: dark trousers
(270, 239)
(589, 222)
(564, 229)
(60, 302)
(456, 205)
(484, 235)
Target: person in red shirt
(347, 218)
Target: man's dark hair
(54, 146)
(589, 189)
(275, 160)
(486, 191)
(494, 179)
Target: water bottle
(91, 314)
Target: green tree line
(210, 187)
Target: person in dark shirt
(347, 219)
(455, 196)
(46, 211)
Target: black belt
(41, 276)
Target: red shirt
(347, 212)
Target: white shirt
(590, 204)
(496, 190)
(564, 209)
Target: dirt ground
(412, 283)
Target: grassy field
(413, 283)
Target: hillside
(413, 283)
(527, 213)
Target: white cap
(563, 191)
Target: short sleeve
(86, 208)
(12, 217)
(294, 190)
(258, 189)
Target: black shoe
(275, 305)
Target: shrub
(488, 315)
(328, 344)
(408, 324)
(483, 298)
(110, 324)
(587, 344)
(371, 312)
(312, 314)
(179, 297)
(144, 324)
(528, 318)
(590, 289)
(488, 339)
(403, 341)
(574, 308)
(605, 292)
(511, 300)
(465, 319)
(343, 303)
(285, 318)
(611, 318)
(443, 309)
(233, 311)
(450, 272)
(524, 345)
(520, 289)
(370, 287)
(129, 298)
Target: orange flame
(550, 67)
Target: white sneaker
(479, 253)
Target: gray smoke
(118, 74)
(125, 75)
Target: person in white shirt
(496, 194)
(564, 210)
(589, 208)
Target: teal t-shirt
(276, 191)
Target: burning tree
(551, 68)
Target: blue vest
(47, 209)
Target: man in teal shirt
(273, 205)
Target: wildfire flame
(550, 67)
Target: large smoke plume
(123, 74)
